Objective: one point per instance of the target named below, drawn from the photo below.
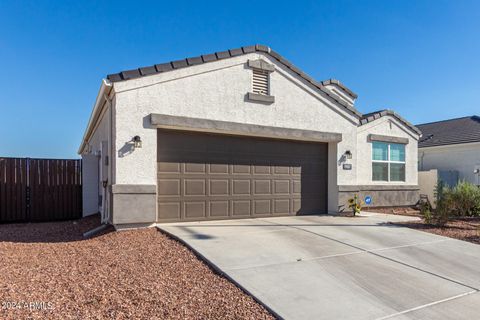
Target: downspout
(107, 184)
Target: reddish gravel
(467, 229)
(138, 274)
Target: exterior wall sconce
(348, 154)
(137, 142)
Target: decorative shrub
(426, 212)
(466, 197)
(444, 202)
(462, 200)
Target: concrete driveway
(324, 267)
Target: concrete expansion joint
(423, 306)
(374, 252)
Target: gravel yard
(467, 229)
(141, 274)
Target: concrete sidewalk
(325, 267)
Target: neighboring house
(451, 145)
(236, 134)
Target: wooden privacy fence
(40, 189)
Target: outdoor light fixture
(348, 154)
(137, 142)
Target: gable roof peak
(206, 58)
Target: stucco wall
(387, 126)
(427, 182)
(217, 91)
(90, 172)
(463, 158)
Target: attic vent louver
(260, 82)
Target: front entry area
(211, 176)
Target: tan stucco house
(237, 134)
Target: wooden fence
(40, 189)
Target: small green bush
(445, 204)
(466, 197)
(461, 200)
(426, 212)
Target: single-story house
(237, 134)
(451, 145)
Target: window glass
(397, 172)
(380, 151)
(380, 171)
(397, 152)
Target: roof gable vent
(260, 82)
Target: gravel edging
(220, 272)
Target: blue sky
(421, 58)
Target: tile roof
(453, 131)
(339, 84)
(372, 116)
(164, 67)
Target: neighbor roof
(172, 65)
(447, 132)
(372, 116)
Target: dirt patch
(467, 229)
(49, 271)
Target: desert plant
(466, 199)
(445, 204)
(355, 204)
(426, 212)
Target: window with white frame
(388, 161)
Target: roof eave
(97, 108)
(377, 115)
(173, 65)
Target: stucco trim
(372, 116)
(260, 97)
(243, 129)
(379, 137)
(341, 86)
(261, 65)
(347, 188)
(134, 189)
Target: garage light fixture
(137, 142)
(348, 154)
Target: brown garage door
(207, 177)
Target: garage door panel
(281, 187)
(195, 209)
(202, 176)
(219, 187)
(169, 167)
(241, 208)
(241, 168)
(170, 210)
(262, 169)
(220, 209)
(169, 187)
(195, 168)
(262, 187)
(281, 206)
(195, 187)
(219, 168)
(262, 207)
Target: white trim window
(388, 162)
